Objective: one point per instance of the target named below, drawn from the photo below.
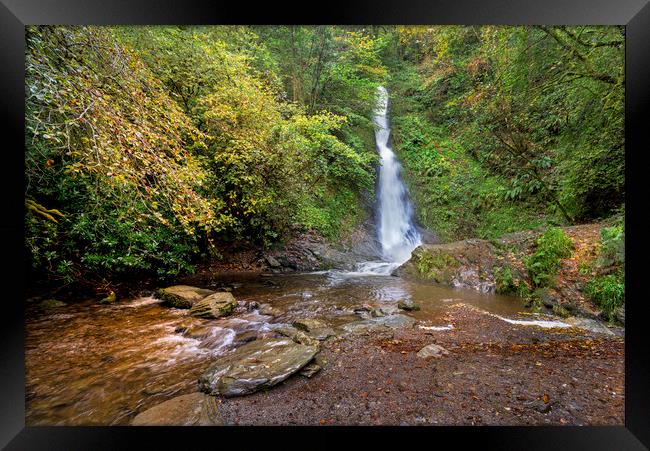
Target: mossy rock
(214, 306)
(432, 263)
(182, 296)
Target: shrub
(505, 282)
(608, 292)
(552, 247)
(612, 250)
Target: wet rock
(308, 324)
(273, 263)
(195, 409)
(297, 335)
(314, 328)
(245, 337)
(181, 329)
(408, 304)
(266, 309)
(432, 350)
(252, 305)
(214, 306)
(182, 296)
(310, 369)
(197, 332)
(368, 311)
(154, 389)
(378, 324)
(256, 365)
(51, 303)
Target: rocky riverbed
(319, 348)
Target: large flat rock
(195, 409)
(182, 296)
(256, 365)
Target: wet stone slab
(195, 409)
(256, 365)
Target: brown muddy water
(91, 364)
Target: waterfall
(396, 231)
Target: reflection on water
(100, 364)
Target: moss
(435, 265)
(561, 311)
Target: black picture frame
(15, 14)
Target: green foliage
(505, 282)
(540, 109)
(508, 283)
(147, 146)
(553, 246)
(608, 292)
(612, 251)
(453, 194)
(151, 144)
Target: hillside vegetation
(149, 149)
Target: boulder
(432, 350)
(195, 409)
(214, 306)
(408, 304)
(182, 296)
(462, 264)
(379, 324)
(256, 365)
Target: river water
(91, 364)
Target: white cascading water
(396, 231)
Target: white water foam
(539, 323)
